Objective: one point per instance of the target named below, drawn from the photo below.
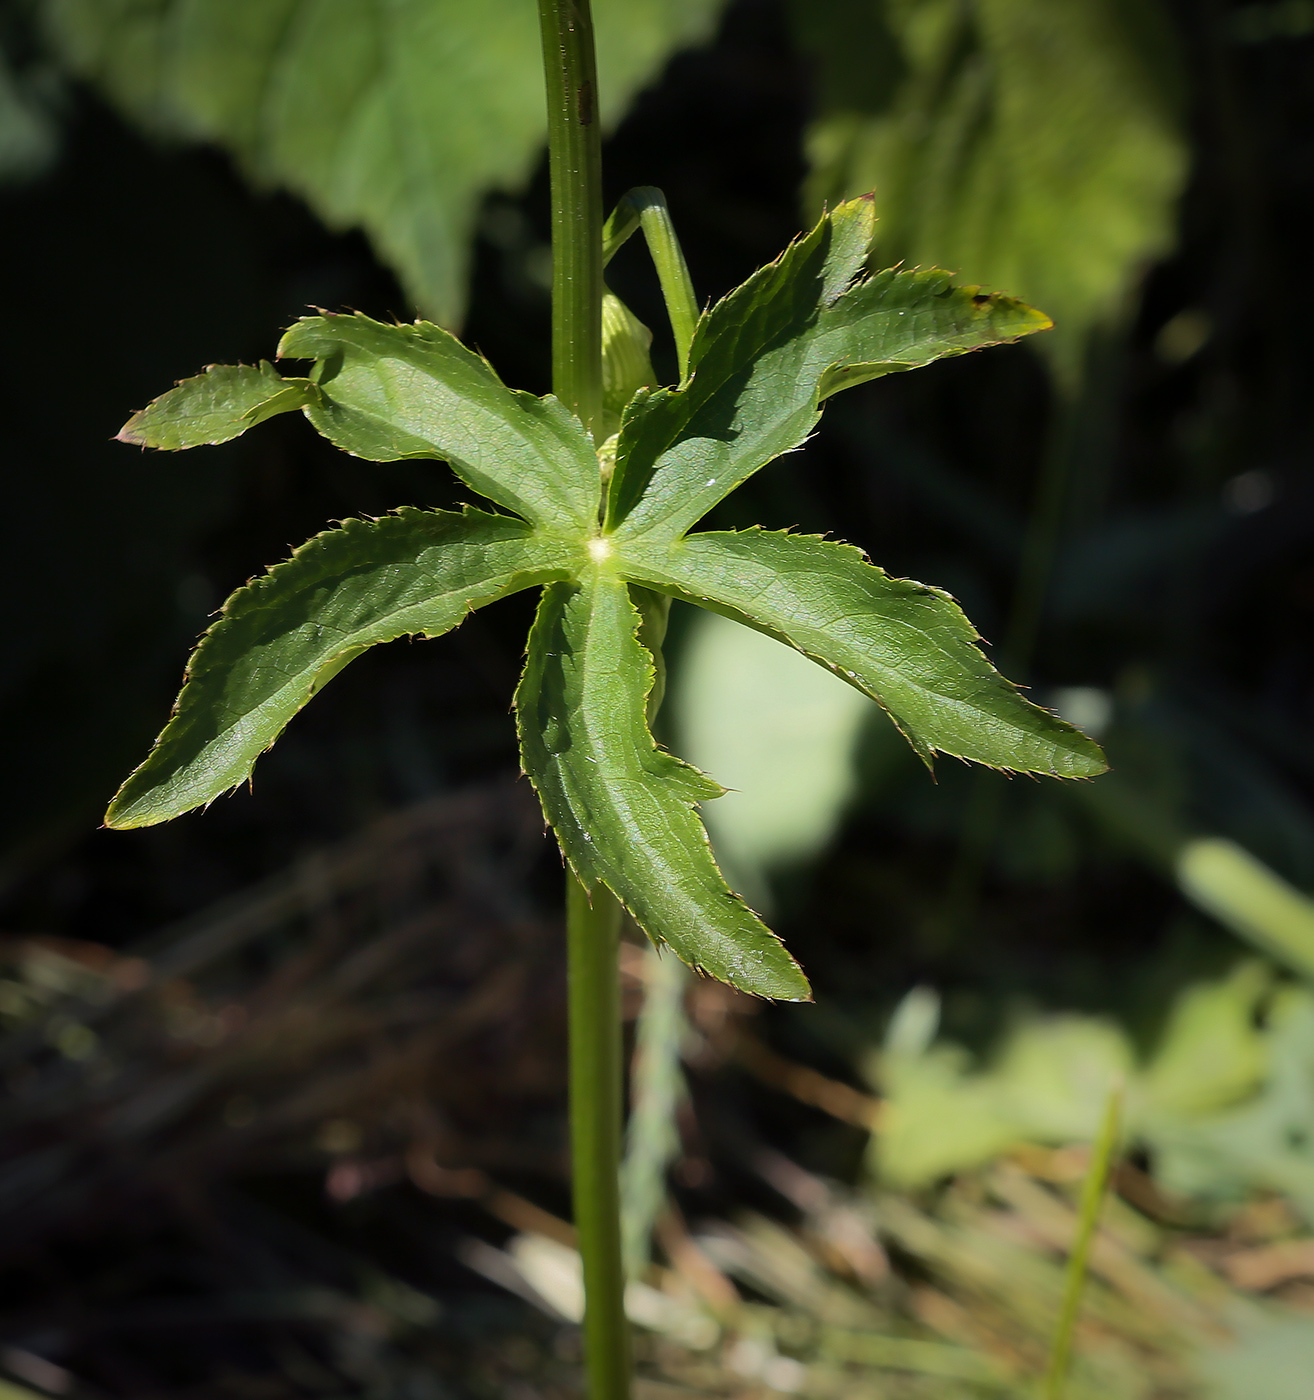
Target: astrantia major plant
(603, 522)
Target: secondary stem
(592, 928)
(1088, 1219)
(575, 170)
(645, 207)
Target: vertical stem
(592, 930)
(575, 168)
(593, 941)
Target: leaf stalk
(645, 207)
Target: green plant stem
(645, 207)
(575, 170)
(1088, 1215)
(592, 928)
(593, 939)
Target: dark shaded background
(1186, 588)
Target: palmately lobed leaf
(623, 809)
(906, 645)
(283, 636)
(216, 406)
(764, 357)
(387, 392)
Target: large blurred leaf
(29, 134)
(1032, 146)
(395, 117)
(779, 731)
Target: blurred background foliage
(284, 1080)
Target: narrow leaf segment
(623, 809)
(215, 407)
(764, 357)
(285, 635)
(909, 647)
(416, 391)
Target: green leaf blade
(283, 636)
(623, 809)
(395, 118)
(216, 406)
(388, 392)
(904, 644)
(763, 358)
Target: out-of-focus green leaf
(1026, 144)
(1270, 1354)
(657, 1088)
(1212, 1052)
(1055, 1074)
(416, 391)
(1225, 1102)
(1050, 1083)
(29, 133)
(623, 809)
(1265, 1143)
(284, 636)
(215, 407)
(1247, 896)
(764, 357)
(938, 1118)
(905, 645)
(780, 731)
(396, 118)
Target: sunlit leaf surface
(906, 645)
(286, 635)
(623, 809)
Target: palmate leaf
(216, 406)
(907, 646)
(415, 391)
(623, 809)
(285, 635)
(393, 117)
(762, 359)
